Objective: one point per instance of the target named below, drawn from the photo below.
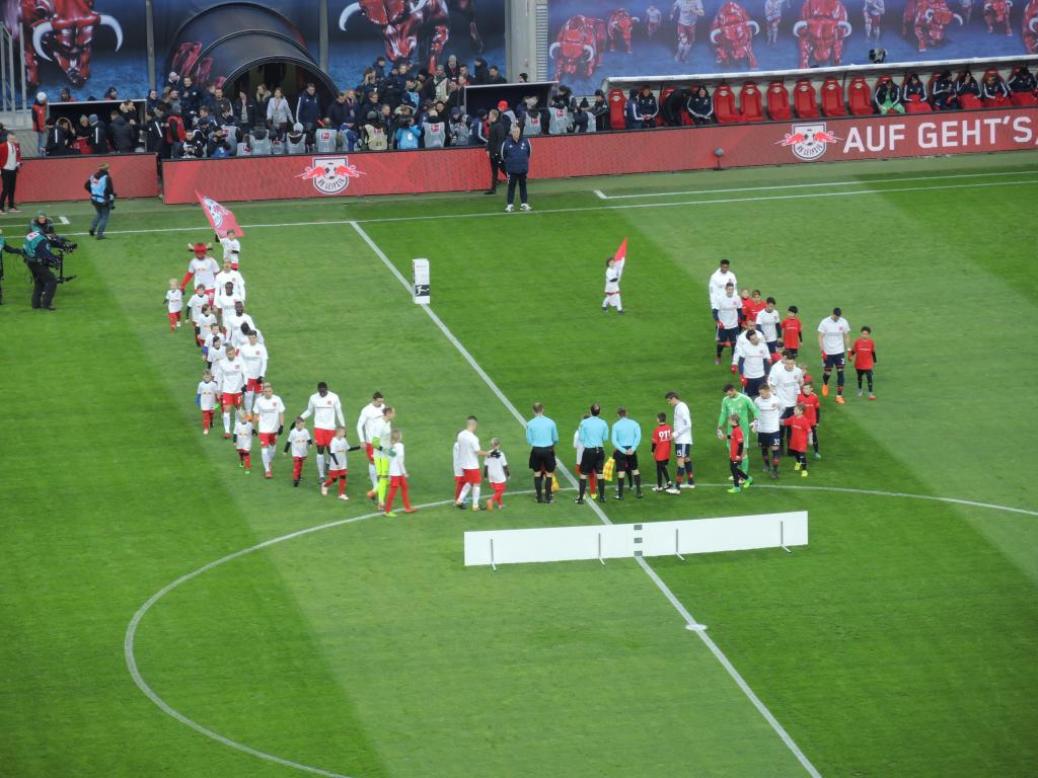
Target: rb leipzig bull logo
(330, 175)
(809, 141)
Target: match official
(593, 434)
(542, 435)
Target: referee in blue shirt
(593, 435)
(542, 435)
(627, 434)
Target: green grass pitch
(900, 642)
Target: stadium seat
(750, 103)
(832, 98)
(617, 103)
(778, 102)
(724, 105)
(970, 102)
(1023, 98)
(916, 104)
(665, 92)
(804, 100)
(859, 97)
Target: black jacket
(123, 134)
(98, 139)
(496, 138)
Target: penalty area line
(691, 622)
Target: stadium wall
(50, 179)
(649, 151)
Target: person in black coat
(701, 107)
(155, 133)
(123, 135)
(245, 114)
(600, 111)
(496, 137)
(59, 138)
(98, 137)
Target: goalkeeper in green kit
(382, 451)
(735, 403)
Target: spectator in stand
(456, 96)
(385, 117)
(582, 120)
(463, 72)
(494, 76)
(913, 90)
(524, 78)
(993, 90)
(10, 161)
(480, 73)
(942, 91)
(368, 82)
(245, 113)
(173, 80)
(82, 143)
(887, 98)
(452, 68)
(61, 138)
(529, 116)
(190, 99)
(122, 135)
(278, 113)
(458, 128)
(308, 108)
(111, 93)
(648, 108)
(259, 141)
(66, 96)
(39, 122)
(1022, 80)
(373, 134)
(98, 136)
(176, 135)
(410, 95)
(600, 111)
(342, 113)
(379, 67)
(701, 107)
(261, 100)
(221, 106)
(437, 85)
(204, 121)
(295, 140)
(966, 84)
(496, 136)
(632, 119)
(407, 134)
(560, 119)
(155, 133)
(434, 130)
(508, 117)
(152, 100)
(174, 103)
(479, 125)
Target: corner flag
(620, 258)
(220, 218)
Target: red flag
(220, 218)
(620, 258)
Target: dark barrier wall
(63, 178)
(453, 170)
(910, 31)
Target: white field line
(689, 619)
(702, 192)
(541, 212)
(63, 219)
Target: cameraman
(39, 260)
(102, 197)
(10, 250)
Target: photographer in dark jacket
(496, 137)
(39, 259)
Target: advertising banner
(423, 33)
(591, 41)
(86, 46)
(647, 151)
(54, 179)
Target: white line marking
(603, 196)
(690, 620)
(541, 212)
(63, 219)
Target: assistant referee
(542, 435)
(593, 434)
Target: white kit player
(719, 279)
(232, 324)
(254, 355)
(231, 274)
(370, 414)
(202, 268)
(270, 412)
(469, 453)
(682, 437)
(727, 311)
(326, 409)
(459, 474)
(231, 248)
(834, 340)
(226, 300)
(768, 425)
(768, 320)
(754, 360)
(232, 383)
(785, 380)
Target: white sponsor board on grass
(618, 541)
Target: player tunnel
(243, 44)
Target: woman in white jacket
(278, 113)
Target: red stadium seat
(1023, 98)
(750, 103)
(617, 104)
(832, 98)
(804, 100)
(724, 105)
(665, 92)
(970, 102)
(778, 102)
(859, 97)
(916, 104)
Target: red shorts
(471, 476)
(370, 449)
(231, 398)
(323, 437)
(253, 385)
(499, 489)
(268, 438)
(173, 316)
(333, 474)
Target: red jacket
(5, 151)
(39, 117)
